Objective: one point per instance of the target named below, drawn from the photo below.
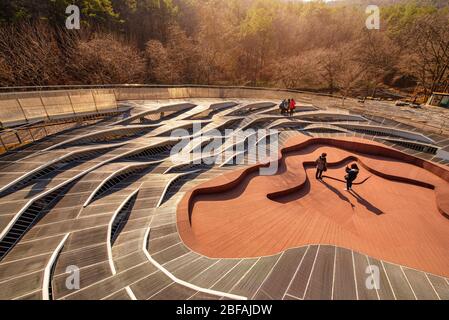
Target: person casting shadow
(352, 174)
(321, 166)
(283, 107)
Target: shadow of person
(338, 193)
(344, 181)
(333, 178)
(366, 204)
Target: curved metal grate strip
(122, 218)
(176, 184)
(121, 177)
(52, 168)
(111, 136)
(30, 217)
(152, 153)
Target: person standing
(321, 166)
(292, 107)
(282, 106)
(351, 176)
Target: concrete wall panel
(177, 93)
(160, 93)
(232, 93)
(124, 94)
(198, 92)
(82, 101)
(105, 100)
(10, 111)
(57, 104)
(214, 93)
(32, 106)
(61, 103)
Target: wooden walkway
(79, 204)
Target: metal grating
(122, 218)
(52, 168)
(30, 217)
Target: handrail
(115, 89)
(162, 86)
(42, 128)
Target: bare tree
(6, 73)
(32, 52)
(158, 63)
(428, 54)
(299, 71)
(378, 55)
(105, 60)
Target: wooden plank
(204, 296)
(122, 295)
(22, 267)
(441, 286)
(88, 276)
(174, 292)
(102, 289)
(81, 258)
(171, 253)
(175, 264)
(251, 282)
(129, 261)
(32, 296)
(321, 281)
(18, 287)
(163, 231)
(362, 272)
(420, 284)
(299, 284)
(291, 298)
(161, 244)
(344, 281)
(30, 249)
(229, 280)
(150, 285)
(398, 282)
(277, 283)
(385, 292)
(191, 270)
(212, 275)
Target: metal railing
(16, 137)
(155, 86)
(11, 139)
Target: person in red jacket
(292, 107)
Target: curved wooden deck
(114, 214)
(397, 215)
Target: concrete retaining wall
(26, 107)
(154, 93)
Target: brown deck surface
(80, 213)
(386, 219)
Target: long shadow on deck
(366, 203)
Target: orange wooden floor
(394, 221)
